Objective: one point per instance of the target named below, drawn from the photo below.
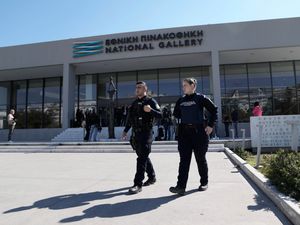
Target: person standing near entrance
(141, 115)
(235, 122)
(193, 133)
(95, 125)
(11, 123)
(166, 122)
(257, 110)
(227, 123)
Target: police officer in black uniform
(141, 115)
(193, 133)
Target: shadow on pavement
(71, 200)
(127, 208)
(119, 209)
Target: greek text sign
(145, 42)
(276, 130)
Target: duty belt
(191, 126)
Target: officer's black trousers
(190, 139)
(143, 142)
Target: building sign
(145, 42)
(87, 48)
(276, 130)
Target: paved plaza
(91, 188)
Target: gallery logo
(87, 48)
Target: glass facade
(284, 88)
(5, 89)
(37, 102)
(234, 89)
(297, 72)
(272, 84)
(103, 96)
(163, 84)
(52, 103)
(260, 86)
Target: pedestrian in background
(11, 124)
(257, 110)
(235, 121)
(227, 123)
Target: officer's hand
(147, 108)
(208, 130)
(124, 136)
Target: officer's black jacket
(136, 111)
(190, 109)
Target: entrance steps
(97, 147)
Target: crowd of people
(166, 126)
(91, 121)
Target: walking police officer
(141, 115)
(193, 133)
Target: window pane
(3, 116)
(35, 91)
(52, 90)
(206, 81)
(236, 79)
(283, 74)
(150, 77)
(4, 93)
(51, 115)
(19, 92)
(126, 85)
(34, 116)
(87, 87)
(222, 80)
(21, 116)
(103, 96)
(297, 64)
(4, 103)
(103, 84)
(284, 91)
(235, 95)
(169, 82)
(202, 76)
(260, 89)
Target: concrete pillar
(68, 94)
(216, 85)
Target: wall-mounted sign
(87, 48)
(143, 42)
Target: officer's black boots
(135, 189)
(203, 187)
(177, 190)
(149, 182)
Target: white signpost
(275, 131)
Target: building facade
(235, 64)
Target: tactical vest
(141, 120)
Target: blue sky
(32, 21)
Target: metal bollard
(244, 137)
(260, 127)
(233, 138)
